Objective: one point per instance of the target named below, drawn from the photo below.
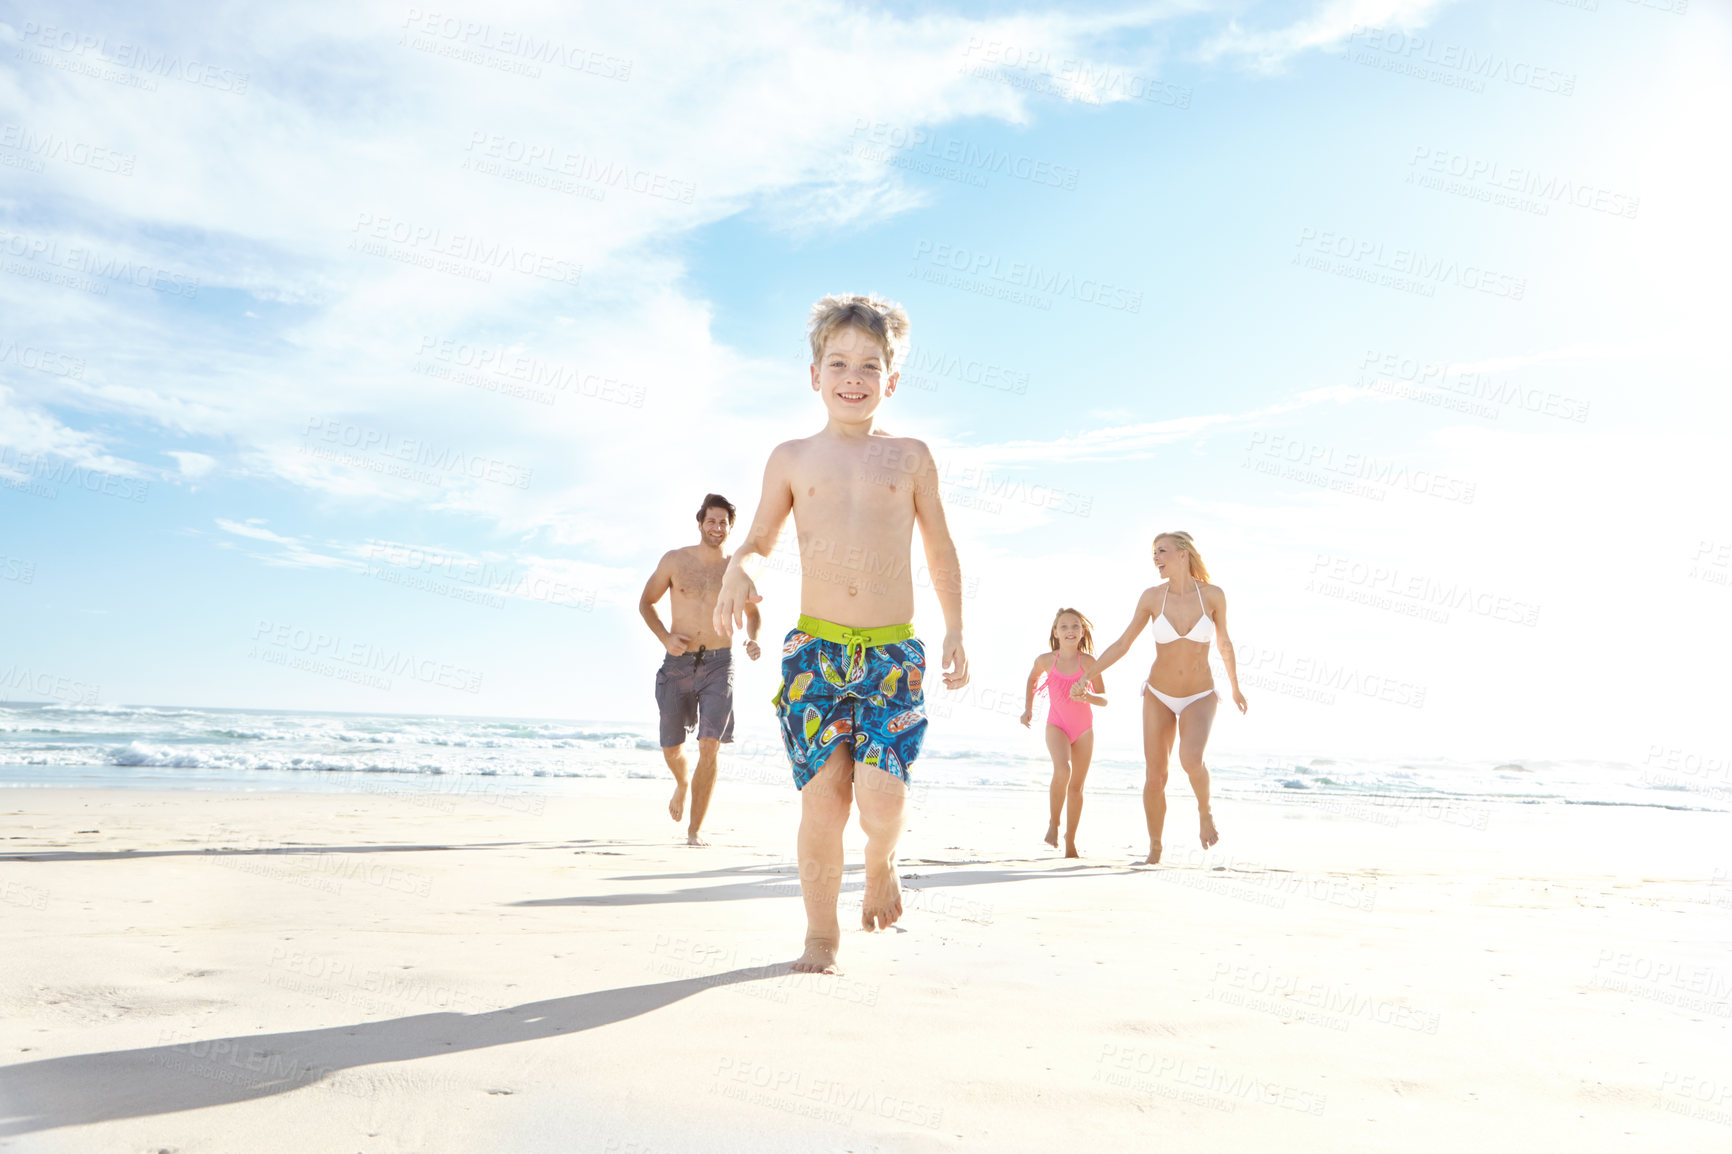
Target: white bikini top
(1203, 630)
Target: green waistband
(851, 637)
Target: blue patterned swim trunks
(868, 695)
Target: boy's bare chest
(853, 491)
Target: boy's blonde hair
(884, 321)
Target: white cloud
(367, 146)
(1331, 23)
(192, 465)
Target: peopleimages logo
(1026, 275)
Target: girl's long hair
(1088, 638)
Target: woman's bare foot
(677, 806)
(819, 958)
(1052, 835)
(881, 904)
(1154, 857)
(1070, 848)
(692, 838)
(1210, 837)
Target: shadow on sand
(190, 1075)
(783, 880)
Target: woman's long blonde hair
(1199, 570)
(1087, 645)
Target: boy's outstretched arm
(942, 564)
(774, 504)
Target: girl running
(1070, 735)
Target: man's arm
(654, 589)
(942, 564)
(774, 504)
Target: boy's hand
(955, 662)
(737, 592)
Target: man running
(695, 685)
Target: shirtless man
(851, 706)
(695, 685)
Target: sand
(193, 971)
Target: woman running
(1070, 734)
(1179, 698)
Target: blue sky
(421, 335)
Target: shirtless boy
(851, 707)
(695, 685)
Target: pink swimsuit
(1074, 717)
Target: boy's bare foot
(1154, 857)
(1210, 837)
(692, 838)
(881, 904)
(1052, 835)
(677, 806)
(1070, 848)
(819, 958)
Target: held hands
(1079, 689)
(736, 593)
(676, 643)
(955, 662)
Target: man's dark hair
(716, 501)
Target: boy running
(851, 707)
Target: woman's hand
(1239, 699)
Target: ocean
(163, 747)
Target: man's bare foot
(692, 838)
(1052, 835)
(1154, 857)
(677, 806)
(819, 958)
(1070, 848)
(881, 904)
(1210, 837)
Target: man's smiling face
(715, 526)
(851, 375)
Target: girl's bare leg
(1058, 745)
(824, 806)
(1194, 726)
(1082, 751)
(1158, 733)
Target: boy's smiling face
(850, 376)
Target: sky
(332, 330)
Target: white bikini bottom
(1176, 704)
